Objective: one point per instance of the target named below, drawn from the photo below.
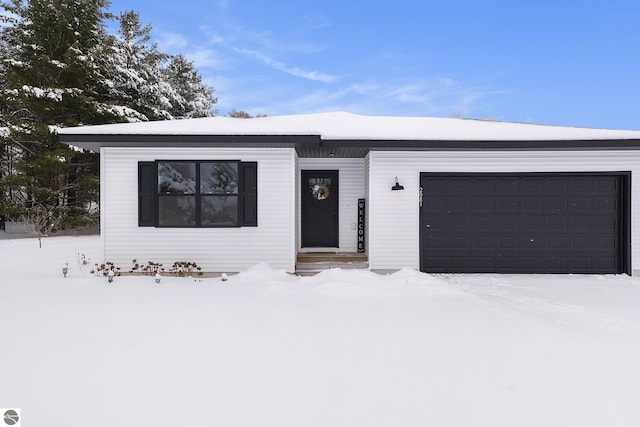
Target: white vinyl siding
(214, 249)
(393, 238)
(351, 182)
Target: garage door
(524, 223)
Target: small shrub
(185, 268)
(148, 269)
(179, 268)
(105, 268)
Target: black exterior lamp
(397, 185)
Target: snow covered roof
(343, 126)
(338, 126)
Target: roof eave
(94, 142)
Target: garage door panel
(605, 205)
(484, 243)
(582, 243)
(607, 263)
(462, 242)
(605, 223)
(509, 186)
(556, 223)
(458, 204)
(508, 205)
(608, 184)
(533, 205)
(458, 222)
(483, 185)
(533, 185)
(507, 243)
(436, 242)
(582, 185)
(610, 243)
(532, 222)
(559, 185)
(580, 223)
(483, 223)
(507, 222)
(435, 185)
(437, 222)
(555, 243)
(436, 204)
(557, 264)
(483, 206)
(533, 263)
(581, 264)
(458, 185)
(509, 264)
(556, 205)
(524, 223)
(580, 205)
(439, 264)
(483, 264)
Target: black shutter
(249, 194)
(146, 193)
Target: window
(219, 190)
(197, 193)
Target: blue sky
(564, 62)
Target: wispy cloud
(294, 71)
(202, 56)
(315, 22)
(417, 98)
(172, 41)
(208, 58)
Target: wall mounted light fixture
(397, 186)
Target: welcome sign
(361, 221)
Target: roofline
(95, 141)
(128, 139)
(596, 144)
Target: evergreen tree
(134, 70)
(189, 96)
(153, 85)
(60, 67)
(52, 79)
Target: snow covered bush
(102, 270)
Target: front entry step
(309, 263)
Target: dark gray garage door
(524, 223)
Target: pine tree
(136, 65)
(153, 85)
(60, 67)
(52, 79)
(189, 96)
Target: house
(435, 194)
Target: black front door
(319, 200)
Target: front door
(319, 206)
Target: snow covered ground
(344, 348)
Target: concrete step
(310, 263)
(332, 256)
(329, 264)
